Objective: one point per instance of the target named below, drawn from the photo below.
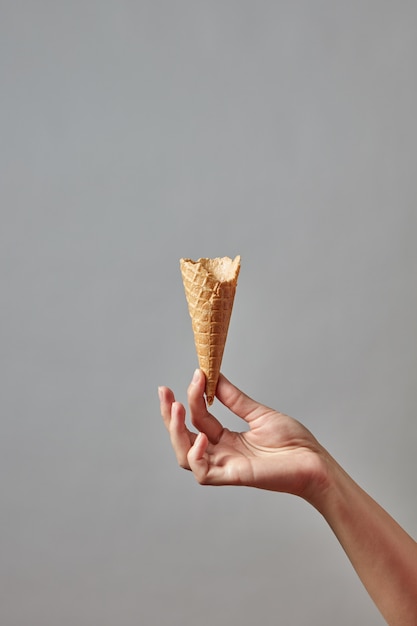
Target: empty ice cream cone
(210, 286)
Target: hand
(279, 454)
(276, 453)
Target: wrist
(325, 476)
(335, 493)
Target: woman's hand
(279, 454)
(276, 453)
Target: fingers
(166, 398)
(200, 417)
(197, 452)
(190, 449)
(181, 438)
(212, 465)
(238, 402)
(173, 414)
(197, 458)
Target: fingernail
(160, 392)
(196, 376)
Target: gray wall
(135, 133)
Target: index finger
(200, 417)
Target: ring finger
(181, 438)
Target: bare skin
(279, 454)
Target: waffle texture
(210, 287)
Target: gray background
(135, 133)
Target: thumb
(238, 402)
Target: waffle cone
(210, 287)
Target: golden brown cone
(210, 287)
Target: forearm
(382, 553)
